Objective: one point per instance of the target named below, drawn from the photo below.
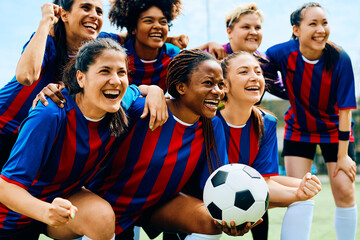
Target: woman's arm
(29, 66)
(57, 213)
(345, 163)
(214, 49)
(283, 194)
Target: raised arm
(29, 66)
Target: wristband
(344, 135)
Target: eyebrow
(152, 17)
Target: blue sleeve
(34, 143)
(267, 159)
(50, 50)
(172, 50)
(132, 93)
(346, 83)
(113, 36)
(274, 83)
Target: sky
(20, 18)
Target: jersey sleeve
(131, 94)
(346, 83)
(50, 50)
(274, 81)
(34, 143)
(267, 159)
(113, 36)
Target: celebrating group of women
(96, 159)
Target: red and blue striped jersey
(16, 99)
(150, 167)
(315, 94)
(56, 153)
(147, 72)
(243, 146)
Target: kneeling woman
(150, 168)
(60, 149)
(251, 139)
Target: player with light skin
(196, 83)
(245, 86)
(321, 91)
(46, 196)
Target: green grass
(323, 220)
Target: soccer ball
(236, 192)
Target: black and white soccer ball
(236, 192)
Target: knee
(344, 195)
(101, 221)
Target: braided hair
(179, 71)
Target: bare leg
(95, 218)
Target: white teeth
(212, 101)
(155, 35)
(112, 92)
(252, 88)
(90, 25)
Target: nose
(93, 13)
(321, 28)
(115, 80)
(216, 90)
(253, 31)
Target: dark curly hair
(125, 13)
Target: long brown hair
(179, 71)
(84, 59)
(257, 118)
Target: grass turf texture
(323, 220)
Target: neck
(145, 52)
(183, 113)
(236, 114)
(311, 55)
(86, 108)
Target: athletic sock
(345, 223)
(297, 220)
(198, 236)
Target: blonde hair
(234, 16)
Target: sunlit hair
(257, 119)
(60, 38)
(331, 51)
(179, 71)
(87, 56)
(233, 16)
(125, 13)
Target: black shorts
(30, 232)
(307, 150)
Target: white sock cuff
(307, 202)
(199, 236)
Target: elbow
(26, 79)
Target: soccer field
(323, 220)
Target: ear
(64, 15)
(133, 32)
(80, 76)
(181, 88)
(296, 30)
(226, 86)
(228, 30)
